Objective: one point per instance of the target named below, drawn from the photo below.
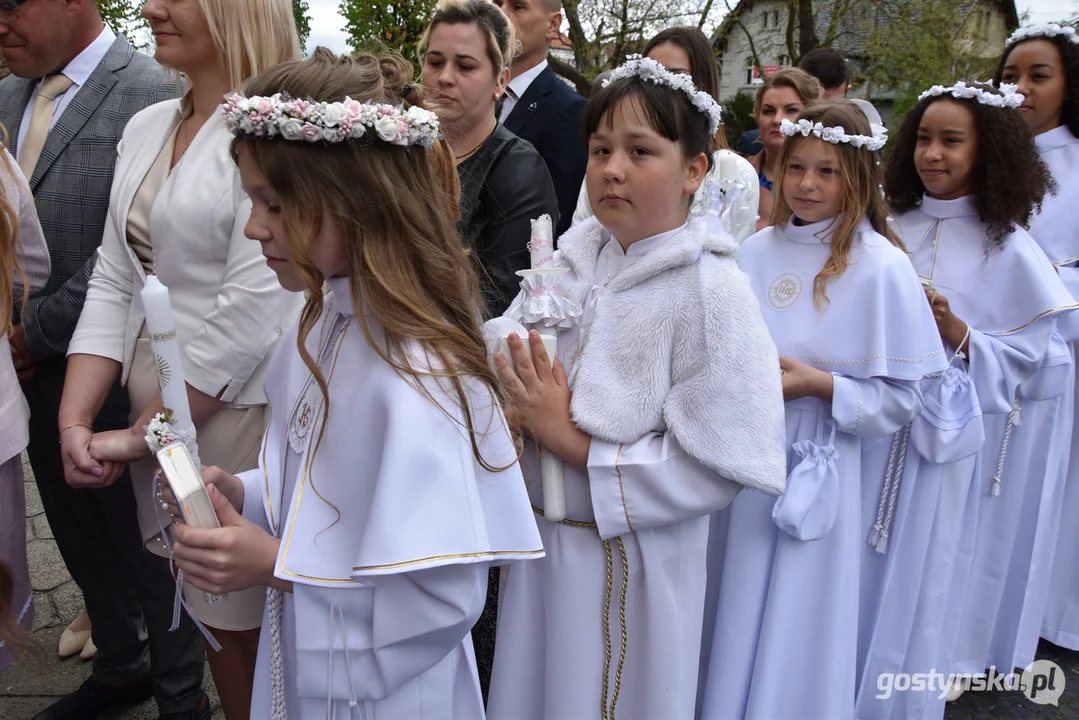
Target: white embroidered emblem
(784, 291)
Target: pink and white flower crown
(330, 122)
(1040, 31)
(1007, 98)
(653, 72)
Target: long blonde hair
(251, 36)
(862, 195)
(397, 211)
(9, 245)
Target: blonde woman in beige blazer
(177, 211)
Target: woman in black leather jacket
(504, 181)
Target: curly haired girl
(965, 177)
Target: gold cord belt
(608, 712)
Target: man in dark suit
(73, 87)
(541, 108)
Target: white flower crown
(313, 121)
(1008, 98)
(650, 70)
(834, 135)
(1046, 30)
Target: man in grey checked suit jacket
(128, 592)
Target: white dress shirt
(78, 71)
(519, 85)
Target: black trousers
(128, 591)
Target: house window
(764, 20)
(749, 71)
(775, 18)
(784, 61)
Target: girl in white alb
(387, 482)
(855, 337)
(671, 406)
(1043, 61)
(961, 200)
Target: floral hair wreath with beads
(1039, 31)
(653, 72)
(330, 122)
(834, 135)
(1008, 97)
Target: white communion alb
(1012, 300)
(674, 376)
(785, 573)
(1055, 230)
(388, 525)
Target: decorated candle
(167, 360)
(542, 243)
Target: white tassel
(882, 543)
(996, 487)
(874, 535)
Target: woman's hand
(801, 380)
(952, 330)
(80, 468)
(542, 396)
(119, 446)
(235, 556)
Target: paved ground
(33, 683)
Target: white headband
(650, 70)
(1042, 31)
(834, 135)
(1008, 98)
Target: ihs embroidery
(784, 291)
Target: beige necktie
(40, 120)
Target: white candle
(551, 477)
(541, 245)
(167, 358)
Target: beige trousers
(229, 439)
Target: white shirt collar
(341, 300)
(948, 209)
(1053, 139)
(643, 246)
(519, 85)
(80, 68)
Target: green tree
(300, 11)
(397, 25)
(918, 43)
(125, 16)
(738, 116)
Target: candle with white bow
(541, 248)
(167, 359)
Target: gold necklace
(470, 153)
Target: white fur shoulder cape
(679, 345)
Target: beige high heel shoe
(75, 636)
(88, 650)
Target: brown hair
(498, 33)
(702, 63)
(802, 83)
(9, 243)
(397, 211)
(1009, 178)
(862, 198)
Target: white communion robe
(388, 526)
(785, 639)
(1011, 298)
(1055, 230)
(674, 376)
